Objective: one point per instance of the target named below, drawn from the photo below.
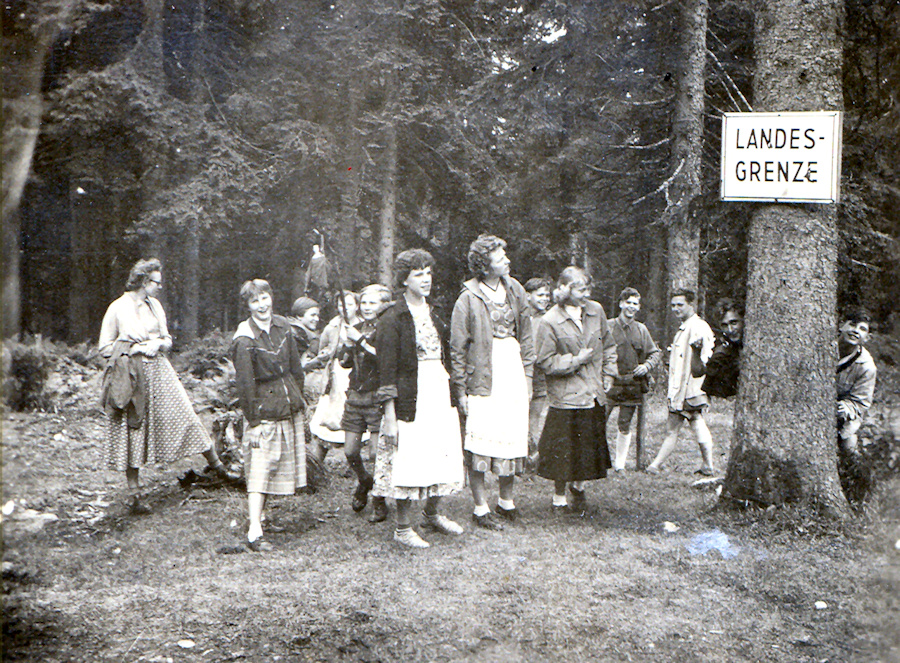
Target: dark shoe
(221, 473)
(705, 471)
(379, 510)
(508, 514)
(488, 521)
(579, 502)
(260, 545)
(138, 507)
(442, 524)
(361, 494)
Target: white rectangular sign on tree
(781, 157)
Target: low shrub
(26, 368)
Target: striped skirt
(171, 429)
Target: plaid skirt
(171, 429)
(278, 465)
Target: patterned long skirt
(426, 459)
(170, 430)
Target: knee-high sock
(704, 439)
(356, 464)
(623, 441)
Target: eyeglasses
(159, 283)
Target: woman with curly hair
(151, 419)
(419, 455)
(492, 359)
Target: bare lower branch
(664, 186)
(729, 80)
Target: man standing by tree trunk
(686, 398)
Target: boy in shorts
(361, 411)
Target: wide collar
(858, 356)
(249, 329)
(558, 314)
(474, 286)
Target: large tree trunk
(28, 32)
(388, 226)
(683, 230)
(784, 447)
(190, 308)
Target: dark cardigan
(398, 365)
(267, 368)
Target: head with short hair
(537, 283)
(383, 293)
(479, 256)
(253, 289)
(372, 300)
(140, 273)
(409, 261)
(539, 293)
(731, 320)
(628, 292)
(690, 296)
(572, 277)
(686, 308)
(302, 304)
(855, 327)
(629, 303)
(856, 315)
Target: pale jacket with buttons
(559, 339)
(682, 385)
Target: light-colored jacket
(682, 385)
(559, 339)
(122, 322)
(856, 384)
(472, 335)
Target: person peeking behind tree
(856, 375)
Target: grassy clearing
(614, 585)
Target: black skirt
(573, 445)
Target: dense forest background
(216, 134)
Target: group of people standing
(515, 374)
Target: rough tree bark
(784, 447)
(683, 239)
(388, 221)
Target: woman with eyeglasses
(150, 417)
